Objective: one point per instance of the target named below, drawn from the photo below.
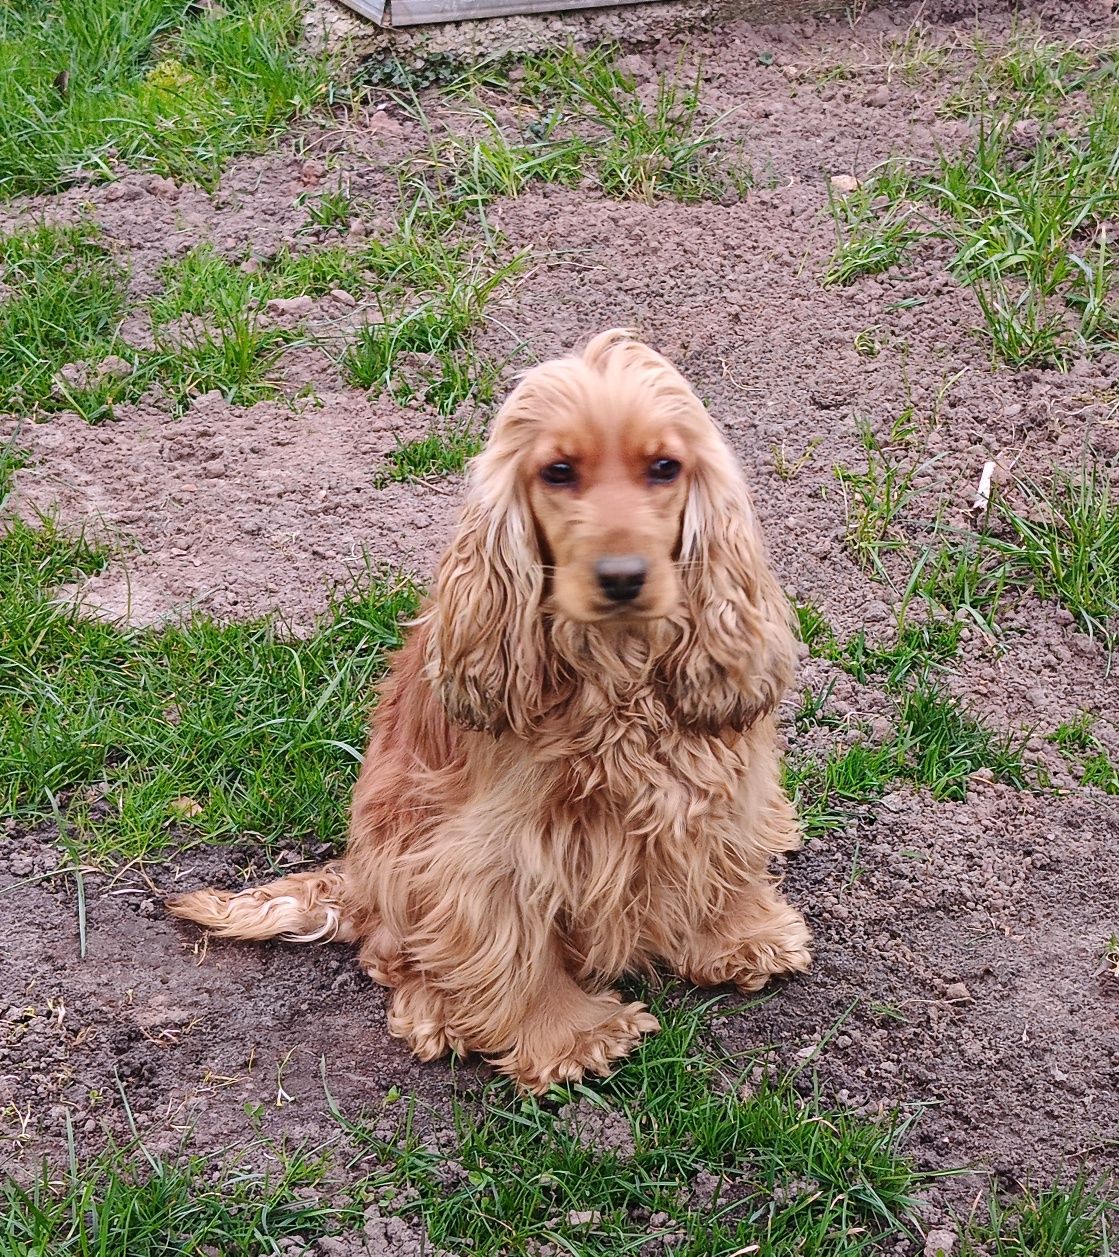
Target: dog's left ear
(737, 655)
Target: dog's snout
(621, 576)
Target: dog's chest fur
(642, 828)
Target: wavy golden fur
(573, 771)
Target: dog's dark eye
(558, 473)
(664, 470)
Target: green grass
(875, 498)
(1065, 544)
(935, 742)
(1078, 741)
(871, 234)
(783, 1171)
(233, 355)
(444, 451)
(66, 302)
(1019, 208)
(1077, 1221)
(261, 730)
(123, 1204)
(86, 85)
(1025, 73)
(917, 647)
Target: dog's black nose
(621, 576)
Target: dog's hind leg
(300, 908)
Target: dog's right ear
(485, 649)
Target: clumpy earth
(960, 944)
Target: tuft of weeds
(647, 150)
(1023, 73)
(261, 730)
(1066, 545)
(235, 356)
(1077, 739)
(123, 1202)
(872, 230)
(86, 85)
(917, 647)
(1074, 1221)
(475, 168)
(65, 304)
(785, 1171)
(788, 466)
(331, 210)
(875, 498)
(442, 452)
(942, 744)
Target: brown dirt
(1012, 894)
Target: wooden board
(425, 12)
(390, 13)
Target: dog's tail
(305, 907)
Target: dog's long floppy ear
(737, 654)
(485, 646)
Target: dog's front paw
(784, 951)
(564, 1055)
(418, 1016)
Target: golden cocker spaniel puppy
(573, 771)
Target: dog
(573, 771)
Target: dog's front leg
(758, 936)
(487, 963)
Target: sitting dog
(573, 771)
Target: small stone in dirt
(311, 172)
(957, 991)
(357, 228)
(71, 378)
(382, 124)
(112, 368)
(878, 96)
(940, 1243)
(584, 1217)
(291, 305)
(843, 185)
(343, 297)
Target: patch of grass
(1024, 73)
(1065, 543)
(426, 350)
(146, 1206)
(917, 646)
(474, 169)
(86, 85)
(782, 1171)
(331, 210)
(941, 744)
(1021, 208)
(872, 233)
(645, 149)
(234, 355)
(1078, 741)
(936, 743)
(261, 730)
(65, 304)
(875, 498)
(442, 452)
(1077, 1221)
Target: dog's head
(606, 496)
